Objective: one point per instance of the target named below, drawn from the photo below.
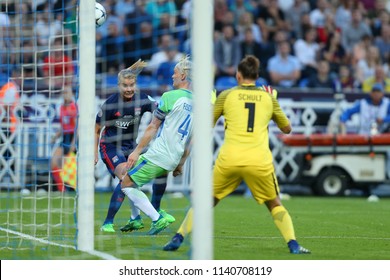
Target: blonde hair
(185, 67)
(133, 71)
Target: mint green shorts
(145, 171)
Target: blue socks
(159, 186)
(115, 203)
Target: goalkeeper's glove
(213, 96)
(270, 90)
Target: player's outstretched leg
(141, 201)
(133, 224)
(184, 229)
(159, 186)
(158, 226)
(116, 201)
(295, 248)
(175, 243)
(167, 216)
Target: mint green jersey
(175, 110)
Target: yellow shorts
(227, 179)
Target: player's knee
(271, 204)
(126, 182)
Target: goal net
(38, 59)
(40, 71)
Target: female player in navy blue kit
(119, 117)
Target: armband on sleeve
(159, 114)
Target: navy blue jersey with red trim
(121, 119)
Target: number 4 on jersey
(183, 128)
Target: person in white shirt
(306, 50)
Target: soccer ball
(100, 14)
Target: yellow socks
(283, 222)
(186, 225)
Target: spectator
(345, 81)
(294, 15)
(284, 68)
(186, 12)
(305, 24)
(227, 53)
(383, 43)
(271, 19)
(343, 16)
(165, 70)
(23, 23)
(68, 120)
(240, 7)
(286, 5)
(112, 49)
(124, 7)
(245, 22)
(374, 111)
(360, 50)
(71, 22)
(165, 26)
(307, 51)
(268, 50)
(57, 67)
(228, 19)
(47, 27)
(378, 23)
(221, 13)
(334, 52)
(140, 46)
(159, 7)
(37, 5)
(355, 31)
(365, 67)
(135, 19)
(378, 78)
(9, 100)
(166, 44)
(327, 30)
(6, 45)
(318, 15)
(322, 79)
(375, 16)
(249, 46)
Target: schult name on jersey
(249, 97)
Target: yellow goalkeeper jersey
(247, 111)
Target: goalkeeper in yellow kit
(245, 154)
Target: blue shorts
(112, 156)
(67, 142)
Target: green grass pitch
(332, 228)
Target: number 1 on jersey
(251, 116)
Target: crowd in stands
(337, 45)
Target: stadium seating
(225, 82)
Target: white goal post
(202, 45)
(86, 125)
